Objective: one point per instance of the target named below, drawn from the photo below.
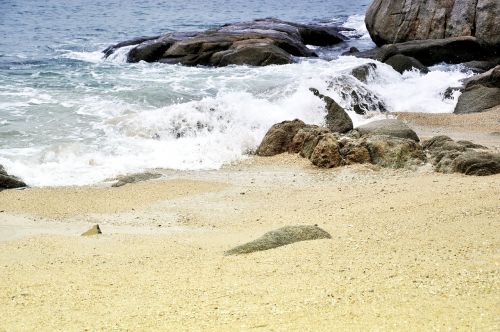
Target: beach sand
(410, 250)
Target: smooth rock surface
(402, 63)
(280, 237)
(391, 127)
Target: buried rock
(94, 230)
(280, 237)
(134, 178)
(326, 153)
(477, 163)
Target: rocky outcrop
(481, 93)
(449, 156)
(432, 51)
(9, 181)
(279, 138)
(258, 43)
(281, 237)
(386, 143)
(390, 127)
(337, 120)
(395, 21)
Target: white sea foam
(130, 117)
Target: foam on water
(103, 117)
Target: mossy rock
(280, 237)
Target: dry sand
(409, 251)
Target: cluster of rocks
(9, 181)
(388, 143)
(417, 33)
(259, 43)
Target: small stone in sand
(94, 230)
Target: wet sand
(409, 250)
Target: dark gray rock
(477, 98)
(279, 138)
(481, 93)
(391, 127)
(9, 181)
(432, 51)
(402, 63)
(258, 43)
(337, 120)
(280, 237)
(364, 71)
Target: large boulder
(481, 93)
(9, 181)
(390, 127)
(337, 120)
(280, 237)
(258, 43)
(279, 138)
(395, 21)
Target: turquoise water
(68, 116)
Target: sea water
(70, 117)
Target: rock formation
(396, 21)
(258, 43)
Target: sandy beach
(410, 250)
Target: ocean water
(70, 117)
